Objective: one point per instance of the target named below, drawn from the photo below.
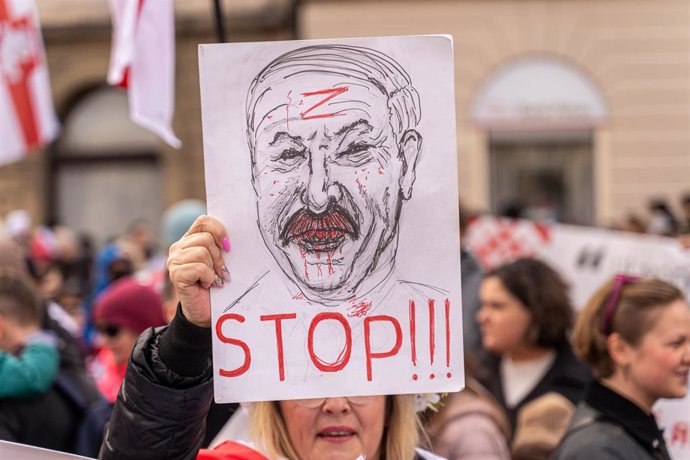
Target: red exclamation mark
(413, 337)
(432, 335)
(449, 374)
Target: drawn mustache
(332, 223)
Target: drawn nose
(320, 191)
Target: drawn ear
(410, 148)
(252, 159)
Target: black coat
(158, 413)
(567, 376)
(52, 419)
(49, 420)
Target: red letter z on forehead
(332, 92)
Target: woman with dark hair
(635, 335)
(525, 318)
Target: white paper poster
(14, 451)
(332, 164)
(673, 416)
(586, 257)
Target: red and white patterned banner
(586, 257)
(27, 118)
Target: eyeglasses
(110, 331)
(614, 299)
(314, 403)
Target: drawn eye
(291, 154)
(356, 153)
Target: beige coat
(469, 426)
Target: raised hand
(195, 263)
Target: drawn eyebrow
(281, 135)
(356, 124)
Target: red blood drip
(359, 310)
(303, 253)
(329, 262)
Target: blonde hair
(400, 437)
(635, 314)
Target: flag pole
(220, 20)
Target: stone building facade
(619, 138)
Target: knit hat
(540, 426)
(178, 218)
(126, 303)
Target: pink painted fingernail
(226, 244)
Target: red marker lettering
(343, 357)
(247, 354)
(367, 340)
(432, 330)
(447, 332)
(279, 338)
(413, 333)
(332, 92)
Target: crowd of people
(108, 354)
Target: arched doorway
(541, 115)
(105, 170)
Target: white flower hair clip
(428, 401)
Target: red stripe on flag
(124, 83)
(19, 88)
(4, 11)
(23, 105)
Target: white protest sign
(586, 257)
(23, 452)
(332, 164)
(673, 416)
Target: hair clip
(620, 281)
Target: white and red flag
(27, 117)
(142, 60)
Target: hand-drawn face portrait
(334, 149)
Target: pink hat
(126, 303)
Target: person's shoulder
(594, 438)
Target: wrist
(185, 347)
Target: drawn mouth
(319, 232)
(321, 240)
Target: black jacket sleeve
(160, 412)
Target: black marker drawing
(331, 132)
